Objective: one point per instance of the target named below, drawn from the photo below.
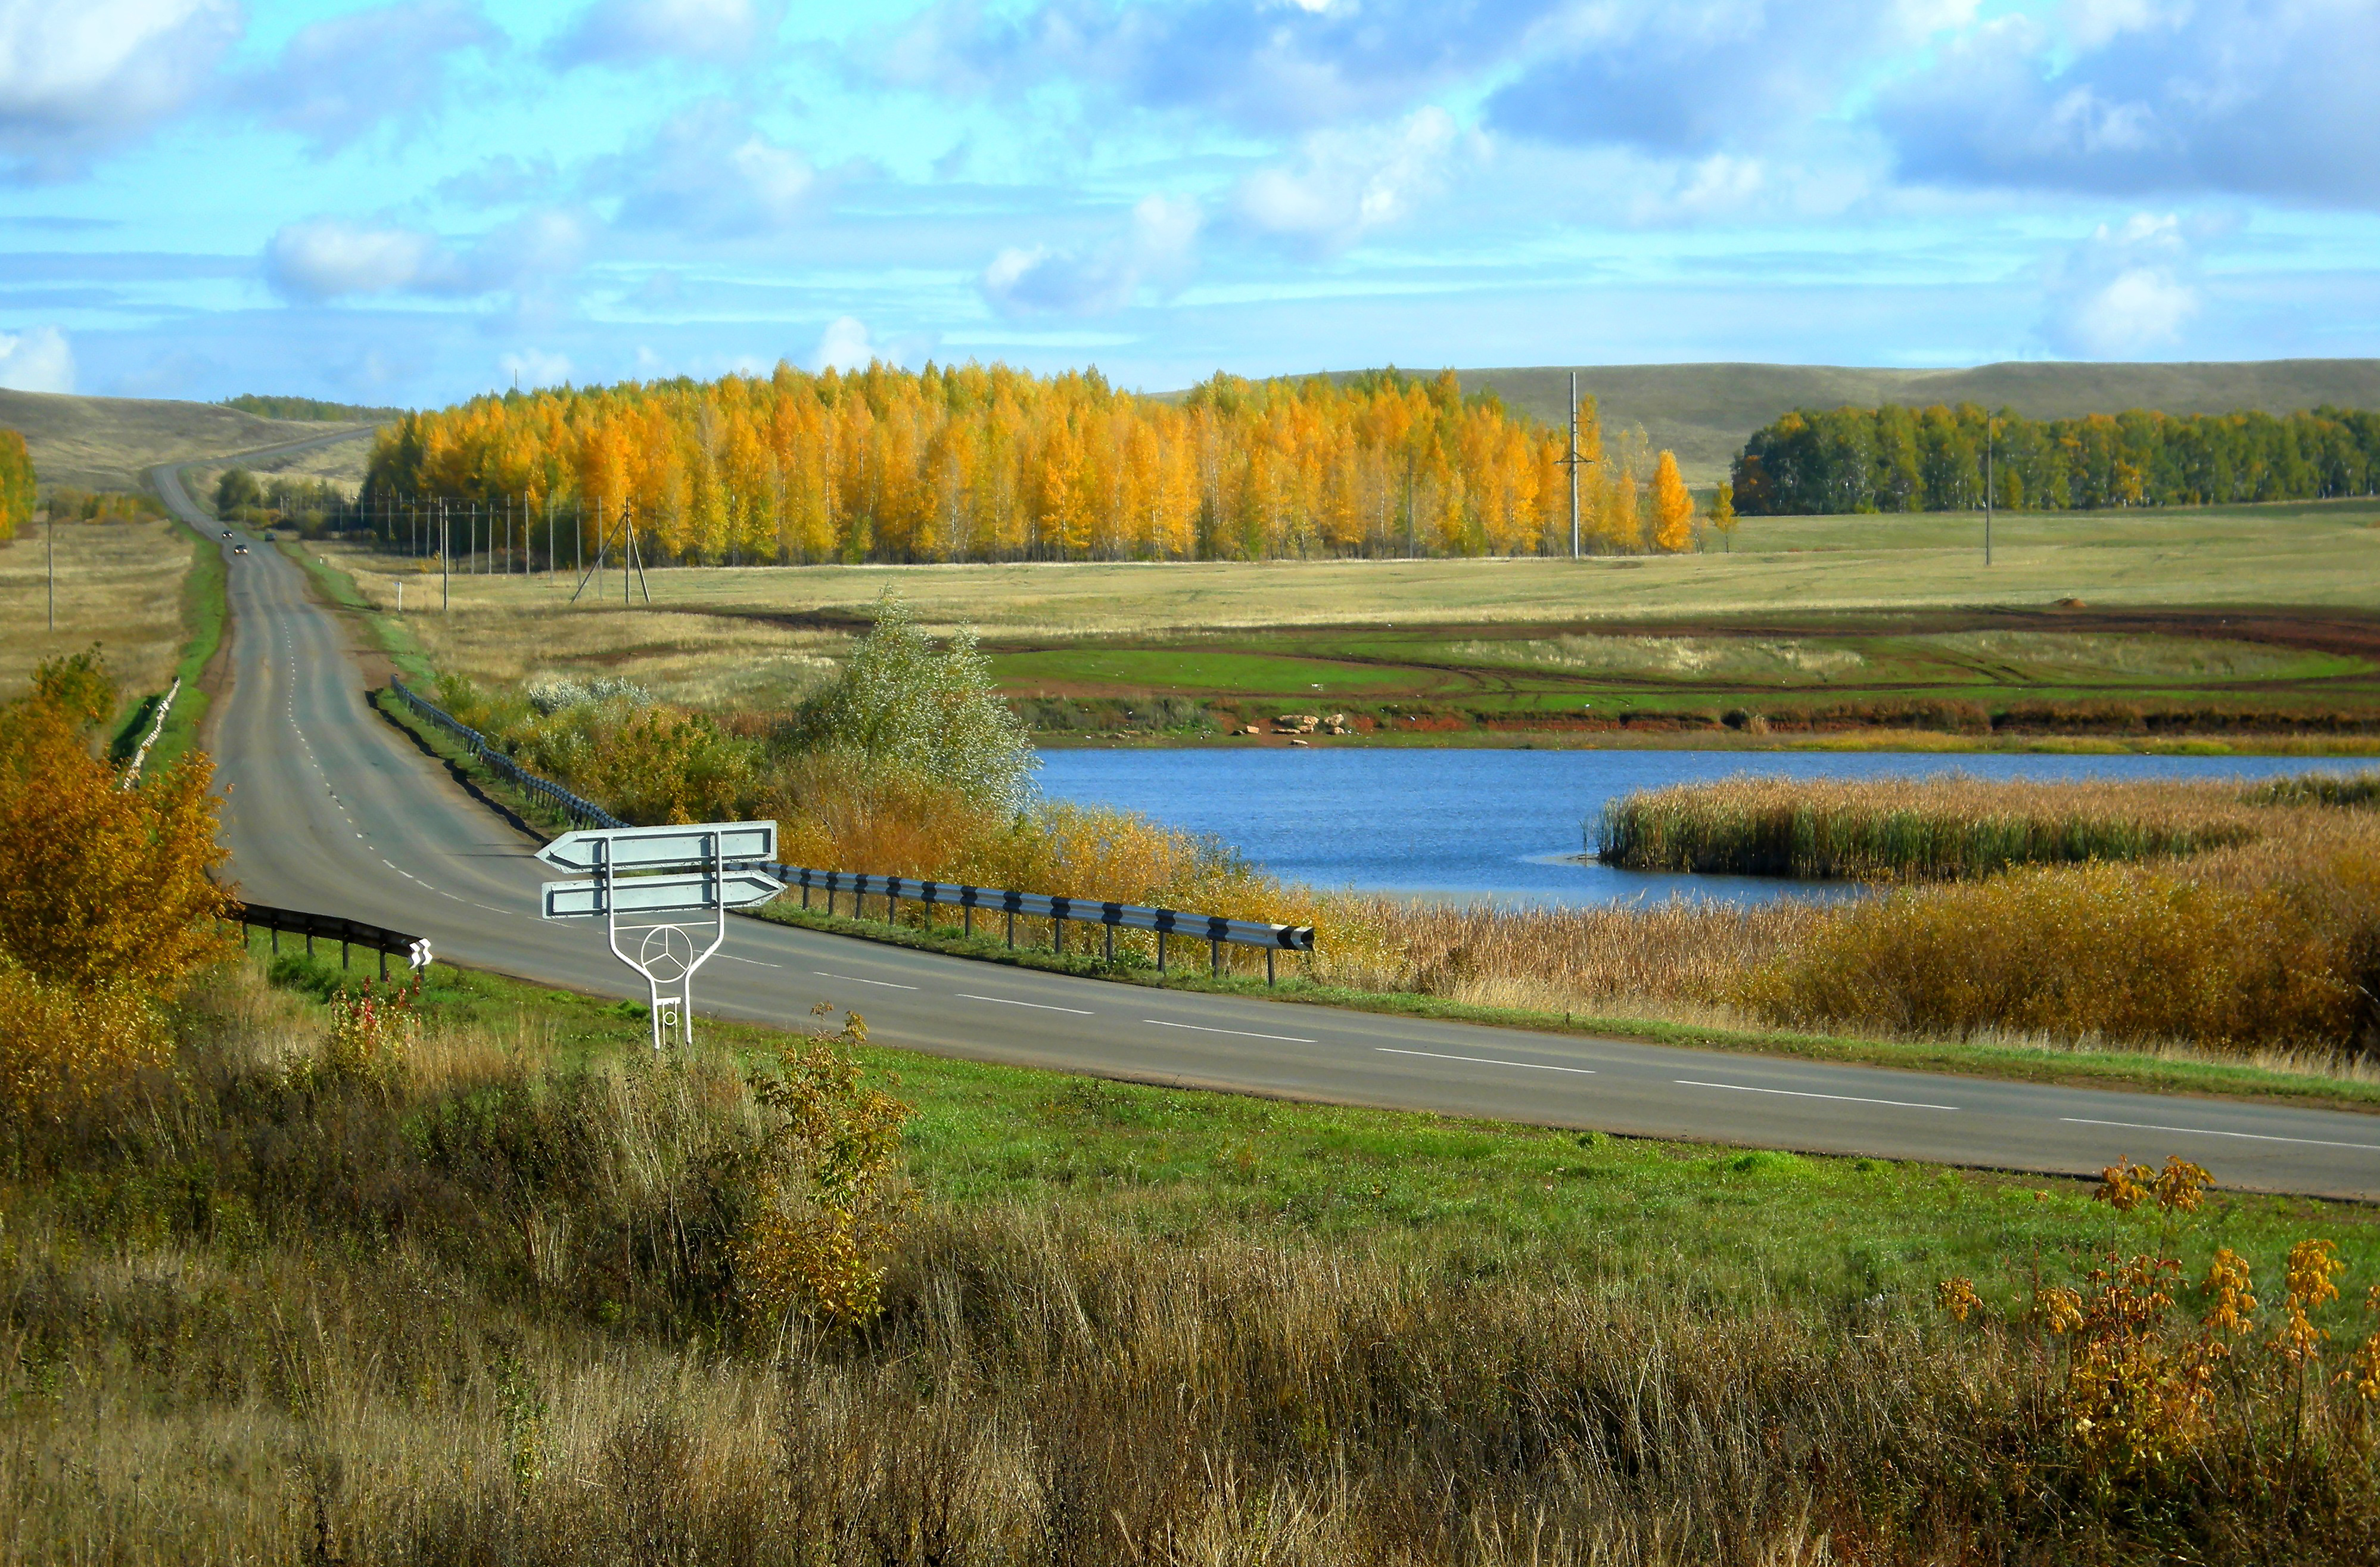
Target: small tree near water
(902, 702)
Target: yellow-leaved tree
(1722, 514)
(105, 902)
(1673, 507)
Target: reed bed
(467, 1314)
(1948, 827)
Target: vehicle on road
(240, 549)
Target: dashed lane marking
(1488, 1061)
(855, 980)
(2210, 1132)
(1038, 1007)
(1242, 1033)
(1800, 1094)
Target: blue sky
(412, 202)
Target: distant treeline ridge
(312, 410)
(973, 462)
(1902, 459)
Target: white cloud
(1157, 249)
(337, 78)
(328, 257)
(38, 360)
(1345, 183)
(2125, 291)
(633, 32)
(2137, 97)
(845, 345)
(81, 77)
(709, 171)
(532, 367)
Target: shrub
(900, 703)
(2113, 952)
(61, 1045)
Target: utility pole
(1572, 461)
(53, 546)
(1987, 489)
(446, 560)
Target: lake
(1502, 824)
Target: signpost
(643, 877)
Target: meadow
(127, 585)
(2126, 624)
(477, 1292)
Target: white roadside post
(643, 876)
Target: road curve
(328, 807)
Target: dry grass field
(108, 442)
(2312, 555)
(119, 585)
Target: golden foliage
(2231, 1295)
(1673, 507)
(60, 1045)
(976, 462)
(101, 886)
(1958, 1297)
(827, 1205)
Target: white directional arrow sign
(693, 892)
(662, 848)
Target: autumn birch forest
(976, 463)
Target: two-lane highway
(329, 808)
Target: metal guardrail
(584, 812)
(165, 706)
(1213, 929)
(331, 927)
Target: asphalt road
(330, 808)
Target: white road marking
(756, 961)
(855, 980)
(2210, 1132)
(1240, 1033)
(1796, 1093)
(1488, 1061)
(1003, 1000)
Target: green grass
(1181, 1164)
(204, 612)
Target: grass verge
(205, 609)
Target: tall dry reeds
(474, 1309)
(1946, 827)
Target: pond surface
(1505, 824)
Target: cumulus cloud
(1692, 76)
(1271, 65)
(2137, 97)
(338, 78)
(845, 345)
(2128, 291)
(1155, 249)
(39, 359)
(633, 32)
(1344, 183)
(710, 172)
(532, 367)
(78, 80)
(329, 258)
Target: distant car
(240, 549)
(226, 532)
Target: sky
(415, 202)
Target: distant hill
(312, 408)
(1704, 412)
(104, 443)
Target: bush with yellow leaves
(827, 1201)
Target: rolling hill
(104, 443)
(1704, 412)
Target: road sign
(662, 848)
(693, 892)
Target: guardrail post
(1268, 967)
(1160, 952)
(1012, 926)
(384, 965)
(1215, 955)
(1108, 925)
(343, 951)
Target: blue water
(1500, 824)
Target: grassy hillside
(1704, 412)
(104, 443)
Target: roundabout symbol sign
(652, 886)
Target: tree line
(313, 506)
(1902, 459)
(970, 462)
(17, 488)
